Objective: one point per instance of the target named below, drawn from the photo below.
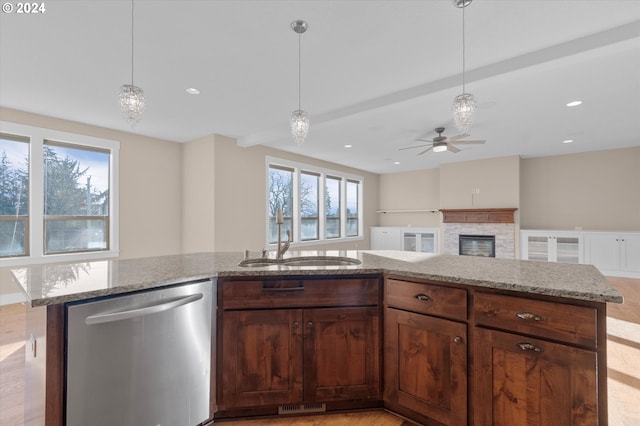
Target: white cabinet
(552, 246)
(408, 239)
(614, 253)
(386, 238)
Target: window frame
(323, 173)
(38, 137)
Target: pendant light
(131, 97)
(299, 119)
(464, 105)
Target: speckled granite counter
(58, 283)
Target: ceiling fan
(442, 143)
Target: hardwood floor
(623, 362)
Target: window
(352, 207)
(309, 213)
(14, 195)
(298, 190)
(332, 210)
(58, 195)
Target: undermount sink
(301, 261)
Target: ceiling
(375, 74)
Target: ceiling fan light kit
(442, 143)
(131, 97)
(299, 120)
(464, 105)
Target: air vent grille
(302, 408)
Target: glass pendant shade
(299, 125)
(131, 103)
(464, 106)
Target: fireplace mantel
(502, 215)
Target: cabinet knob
(457, 340)
(310, 324)
(423, 297)
(296, 324)
(528, 316)
(528, 347)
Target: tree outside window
(76, 204)
(14, 196)
(280, 196)
(332, 199)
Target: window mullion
(295, 208)
(322, 210)
(343, 208)
(36, 195)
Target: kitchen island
(495, 329)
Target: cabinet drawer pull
(279, 287)
(310, 324)
(457, 340)
(529, 347)
(296, 324)
(528, 316)
(423, 297)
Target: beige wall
(417, 190)
(240, 196)
(498, 180)
(591, 190)
(198, 195)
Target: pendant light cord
(132, 42)
(299, 71)
(463, 52)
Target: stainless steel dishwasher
(141, 359)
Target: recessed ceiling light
(574, 103)
(193, 91)
(348, 146)
(567, 141)
(396, 162)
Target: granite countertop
(64, 282)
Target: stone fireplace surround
(498, 222)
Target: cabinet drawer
(569, 323)
(296, 293)
(427, 298)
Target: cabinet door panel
(426, 365)
(520, 380)
(342, 354)
(631, 250)
(603, 251)
(261, 358)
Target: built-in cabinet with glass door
(424, 240)
(552, 246)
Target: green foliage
(14, 188)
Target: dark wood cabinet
(425, 356)
(524, 381)
(341, 354)
(538, 362)
(300, 342)
(261, 362)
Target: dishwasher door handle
(138, 312)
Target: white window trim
(37, 137)
(298, 167)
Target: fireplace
(477, 245)
(498, 223)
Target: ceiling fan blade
(426, 150)
(470, 142)
(452, 148)
(458, 137)
(416, 146)
(424, 140)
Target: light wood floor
(623, 362)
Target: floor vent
(301, 409)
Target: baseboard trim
(11, 298)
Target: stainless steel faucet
(282, 246)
